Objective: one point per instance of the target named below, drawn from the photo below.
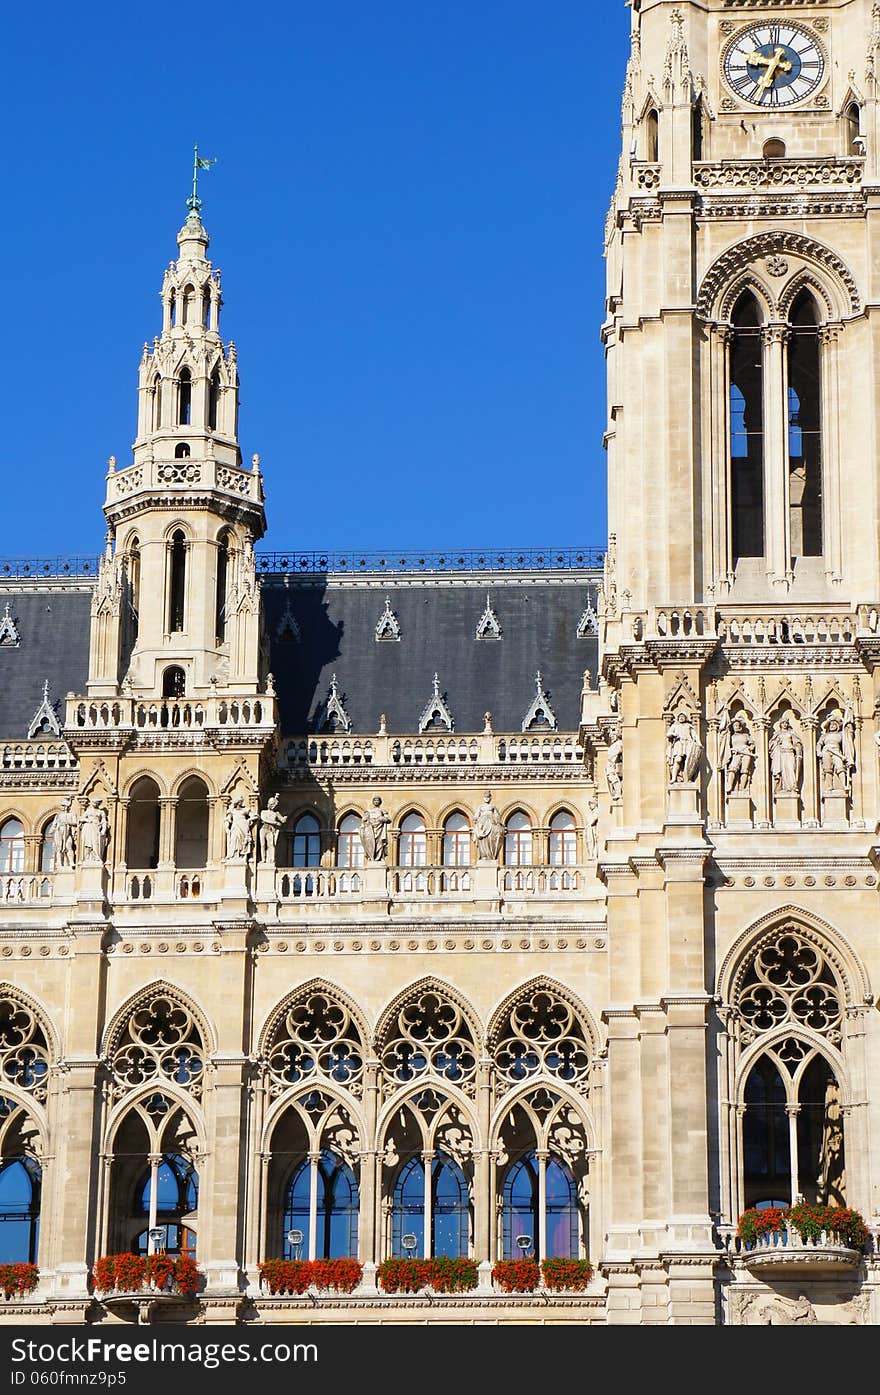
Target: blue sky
(407, 210)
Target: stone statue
(592, 828)
(94, 831)
(64, 849)
(271, 821)
(238, 831)
(614, 769)
(374, 831)
(737, 752)
(683, 750)
(488, 830)
(836, 750)
(786, 758)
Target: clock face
(774, 65)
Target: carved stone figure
(614, 769)
(238, 831)
(271, 821)
(64, 850)
(776, 1311)
(374, 831)
(488, 830)
(737, 752)
(592, 828)
(836, 751)
(94, 831)
(786, 759)
(683, 750)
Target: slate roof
(53, 627)
(438, 620)
(337, 620)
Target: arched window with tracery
(428, 1035)
(542, 1050)
(24, 1050)
(747, 430)
(787, 1025)
(160, 1040)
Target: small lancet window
(697, 126)
(184, 403)
(206, 307)
(177, 582)
(133, 580)
(181, 451)
(747, 430)
(213, 400)
(652, 137)
(222, 587)
(774, 149)
(189, 305)
(157, 402)
(804, 431)
(852, 119)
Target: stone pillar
(776, 523)
(483, 1208)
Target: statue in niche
(94, 832)
(238, 831)
(64, 849)
(836, 751)
(271, 822)
(737, 752)
(374, 831)
(488, 830)
(614, 769)
(786, 758)
(683, 750)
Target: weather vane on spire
(194, 203)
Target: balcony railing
(184, 474)
(783, 1249)
(169, 714)
(21, 889)
(482, 749)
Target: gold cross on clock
(775, 63)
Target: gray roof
(337, 620)
(53, 627)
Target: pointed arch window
(456, 841)
(20, 1187)
(697, 126)
(747, 431)
(177, 582)
(189, 305)
(563, 840)
(349, 848)
(518, 841)
(12, 846)
(306, 850)
(336, 1233)
(191, 824)
(133, 586)
(652, 137)
(213, 399)
(413, 849)
(184, 398)
(157, 403)
(852, 122)
(142, 844)
(222, 598)
(47, 846)
(804, 430)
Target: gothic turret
(184, 516)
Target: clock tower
(742, 585)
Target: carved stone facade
(323, 916)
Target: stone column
(483, 1209)
(829, 399)
(314, 1160)
(775, 338)
(427, 1160)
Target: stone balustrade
(718, 175)
(21, 889)
(482, 749)
(183, 474)
(169, 714)
(37, 755)
(772, 628)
